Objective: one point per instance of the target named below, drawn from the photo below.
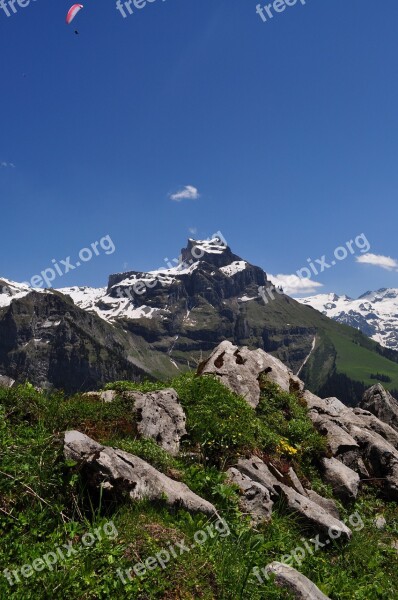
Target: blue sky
(288, 130)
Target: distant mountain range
(156, 324)
(373, 313)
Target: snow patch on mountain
(165, 277)
(10, 290)
(233, 268)
(84, 297)
(214, 246)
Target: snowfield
(374, 313)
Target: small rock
(296, 483)
(108, 395)
(380, 522)
(6, 382)
(255, 500)
(321, 519)
(257, 470)
(344, 481)
(295, 583)
(379, 401)
(161, 417)
(327, 503)
(339, 441)
(381, 457)
(102, 396)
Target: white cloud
(293, 284)
(5, 165)
(189, 192)
(378, 260)
(193, 230)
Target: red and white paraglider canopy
(72, 12)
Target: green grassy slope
(352, 353)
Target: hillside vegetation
(45, 502)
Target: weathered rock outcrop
(380, 457)
(6, 382)
(344, 481)
(118, 471)
(319, 512)
(255, 498)
(359, 440)
(240, 368)
(361, 445)
(379, 402)
(294, 582)
(161, 417)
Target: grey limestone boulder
(161, 417)
(379, 401)
(239, 370)
(113, 469)
(255, 498)
(299, 586)
(344, 481)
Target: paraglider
(72, 12)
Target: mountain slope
(183, 312)
(164, 322)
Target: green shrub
(221, 424)
(284, 415)
(148, 450)
(135, 386)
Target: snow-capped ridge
(11, 290)
(375, 313)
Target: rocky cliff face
(211, 295)
(47, 340)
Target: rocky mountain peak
(215, 252)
